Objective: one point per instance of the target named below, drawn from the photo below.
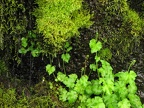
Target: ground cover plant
(108, 91)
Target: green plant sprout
(108, 91)
(131, 64)
(66, 56)
(50, 69)
(28, 44)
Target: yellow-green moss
(119, 26)
(13, 25)
(59, 20)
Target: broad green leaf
(108, 85)
(89, 89)
(83, 98)
(135, 101)
(93, 67)
(96, 87)
(126, 77)
(81, 84)
(24, 41)
(61, 77)
(35, 53)
(65, 57)
(31, 34)
(50, 69)
(95, 46)
(72, 96)
(124, 104)
(106, 69)
(96, 102)
(132, 88)
(111, 101)
(121, 89)
(63, 94)
(97, 59)
(70, 82)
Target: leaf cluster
(66, 56)
(28, 43)
(108, 91)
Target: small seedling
(50, 69)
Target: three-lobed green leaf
(50, 69)
(95, 46)
(66, 57)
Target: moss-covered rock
(119, 26)
(59, 20)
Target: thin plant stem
(64, 67)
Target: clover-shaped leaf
(50, 69)
(125, 103)
(95, 46)
(35, 53)
(65, 57)
(97, 59)
(63, 94)
(72, 96)
(96, 102)
(81, 84)
(126, 77)
(135, 101)
(61, 77)
(93, 67)
(70, 82)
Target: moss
(59, 20)
(120, 27)
(13, 23)
(42, 95)
(3, 68)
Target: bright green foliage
(135, 101)
(93, 67)
(66, 56)
(96, 102)
(124, 103)
(127, 77)
(50, 69)
(59, 20)
(95, 46)
(24, 42)
(104, 92)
